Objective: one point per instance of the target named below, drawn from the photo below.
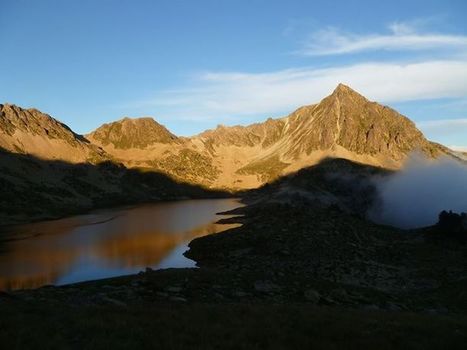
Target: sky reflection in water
(107, 243)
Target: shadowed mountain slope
(333, 182)
(36, 189)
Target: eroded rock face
(369, 128)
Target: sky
(195, 64)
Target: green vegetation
(267, 169)
(189, 166)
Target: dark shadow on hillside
(34, 189)
(333, 182)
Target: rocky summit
(132, 133)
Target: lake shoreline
(241, 251)
(278, 260)
(107, 243)
(5, 224)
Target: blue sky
(195, 64)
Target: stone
(393, 307)
(370, 307)
(173, 289)
(239, 294)
(312, 296)
(339, 294)
(266, 287)
(240, 252)
(114, 301)
(178, 299)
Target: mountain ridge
(29, 131)
(344, 124)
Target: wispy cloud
(444, 122)
(445, 129)
(230, 97)
(400, 37)
(224, 95)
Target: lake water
(107, 243)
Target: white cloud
(414, 196)
(224, 95)
(401, 37)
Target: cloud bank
(236, 94)
(414, 196)
(401, 37)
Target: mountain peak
(133, 133)
(346, 95)
(343, 89)
(138, 119)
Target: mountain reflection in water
(106, 243)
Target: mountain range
(344, 124)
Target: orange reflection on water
(105, 244)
